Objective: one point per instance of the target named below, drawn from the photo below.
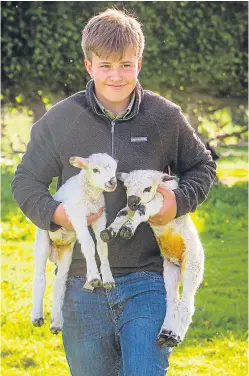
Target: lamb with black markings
(179, 245)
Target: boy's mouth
(116, 86)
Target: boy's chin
(116, 97)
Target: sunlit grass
(17, 130)
(233, 166)
(216, 340)
(26, 350)
(225, 356)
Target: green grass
(216, 343)
(233, 167)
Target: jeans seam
(113, 314)
(117, 367)
(115, 320)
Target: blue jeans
(113, 332)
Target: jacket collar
(92, 102)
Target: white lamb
(179, 244)
(81, 195)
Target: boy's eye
(105, 66)
(148, 189)
(95, 170)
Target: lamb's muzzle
(111, 184)
(133, 202)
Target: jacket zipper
(112, 132)
(112, 129)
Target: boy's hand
(60, 217)
(168, 211)
(93, 217)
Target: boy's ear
(121, 176)
(78, 162)
(139, 64)
(166, 177)
(88, 66)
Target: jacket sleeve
(40, 163)
(194, 165)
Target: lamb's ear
(121, 176)
(78, 162)
(167, 177)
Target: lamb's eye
(148, 189)
(95, 170)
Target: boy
(114, 332)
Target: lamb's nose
(133, 202)
(113, 181)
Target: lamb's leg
(41, 254)
(192, 276)
(142, 214)
(111, 231)
(172, 278)
(78, 218)
(102, 249)
(59, 286)
(87, 249)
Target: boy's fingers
(93, 217)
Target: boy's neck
(116, 107)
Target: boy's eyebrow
(110, 62)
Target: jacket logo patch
(139, 139)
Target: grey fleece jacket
(155, 135)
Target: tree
(196, 52)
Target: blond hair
(111, 33)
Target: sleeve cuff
(181, 208)
(50, 225)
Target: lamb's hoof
(96, 282)
(107, 235)
(55, 329)
(168, 338)
(109, 285)
(38, 322)
(125, 232)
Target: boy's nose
(115, 75)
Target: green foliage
(196, 45)
(189, 46)
(18, 228)
(15, 225)
(222, 122)
(216, 215)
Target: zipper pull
(112, 132)
(113, 123)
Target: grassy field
(216, 343)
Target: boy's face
(114, 80)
